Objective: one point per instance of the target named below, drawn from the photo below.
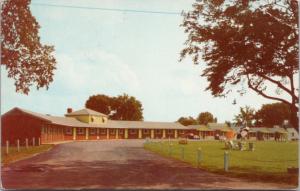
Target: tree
(247, 114)
(123, 107)
(101, 103)
(228, 123)
(187, 121)
(205, 117)
(27, 61)
(252, 43)
(127, 108)
(274, 114)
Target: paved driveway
(113, 164)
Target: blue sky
(115, 52)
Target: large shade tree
(27, 61)
(122, 107)
(187, 121)
(206, 117)
(248, 42)
(274, 114)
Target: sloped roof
(199, 127)
(142, 125)
(219, 126)
(263, 129)
(85, 112)
(278, 130)
(73, 122)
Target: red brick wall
(146, 133)
(158, 133)
(112, 133)
(121, 133)
(133, 134)
(18, 125)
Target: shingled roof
(85, 112)
(73, 122)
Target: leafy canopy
(122, 107)
(206, 117)
(245, 42)
(274, 114)
(187, 121)
(27, 61)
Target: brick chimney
(69, 110)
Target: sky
(116, 52)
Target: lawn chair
(230, 145)
(241, 146)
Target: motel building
(20, 124)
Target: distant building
(292, 134)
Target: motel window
(146, 131)
(112, 131)
(92, 131)
(181, 131)
(169, 131)
(103, 131)
(158, 131)
(121, 131)
(68, 130)
(132, 131)
(80, 131)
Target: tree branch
(260, 92)
(291, 92)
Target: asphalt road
(114, 164)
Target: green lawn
(14, 155)
(269, 161)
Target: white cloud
(94, 70)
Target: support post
(117, 133)
(33, 141)
(86, 133)
(199, 157)
(164, 134)
(140, 133)
(226, 161)
(152, 133)
(7, 147)
(26, 143)
(126, 134)
(39, 141)
(107, 133)
(170, 149)
(18, 145)
(74, 133)
(176, 134)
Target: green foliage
(206, 117)
(127, 108)
(269, 161)
(245, 42)
(274, 114)
(247, 114)
(27, 61)
(101, 103)
(122, 107)
(187, 121)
